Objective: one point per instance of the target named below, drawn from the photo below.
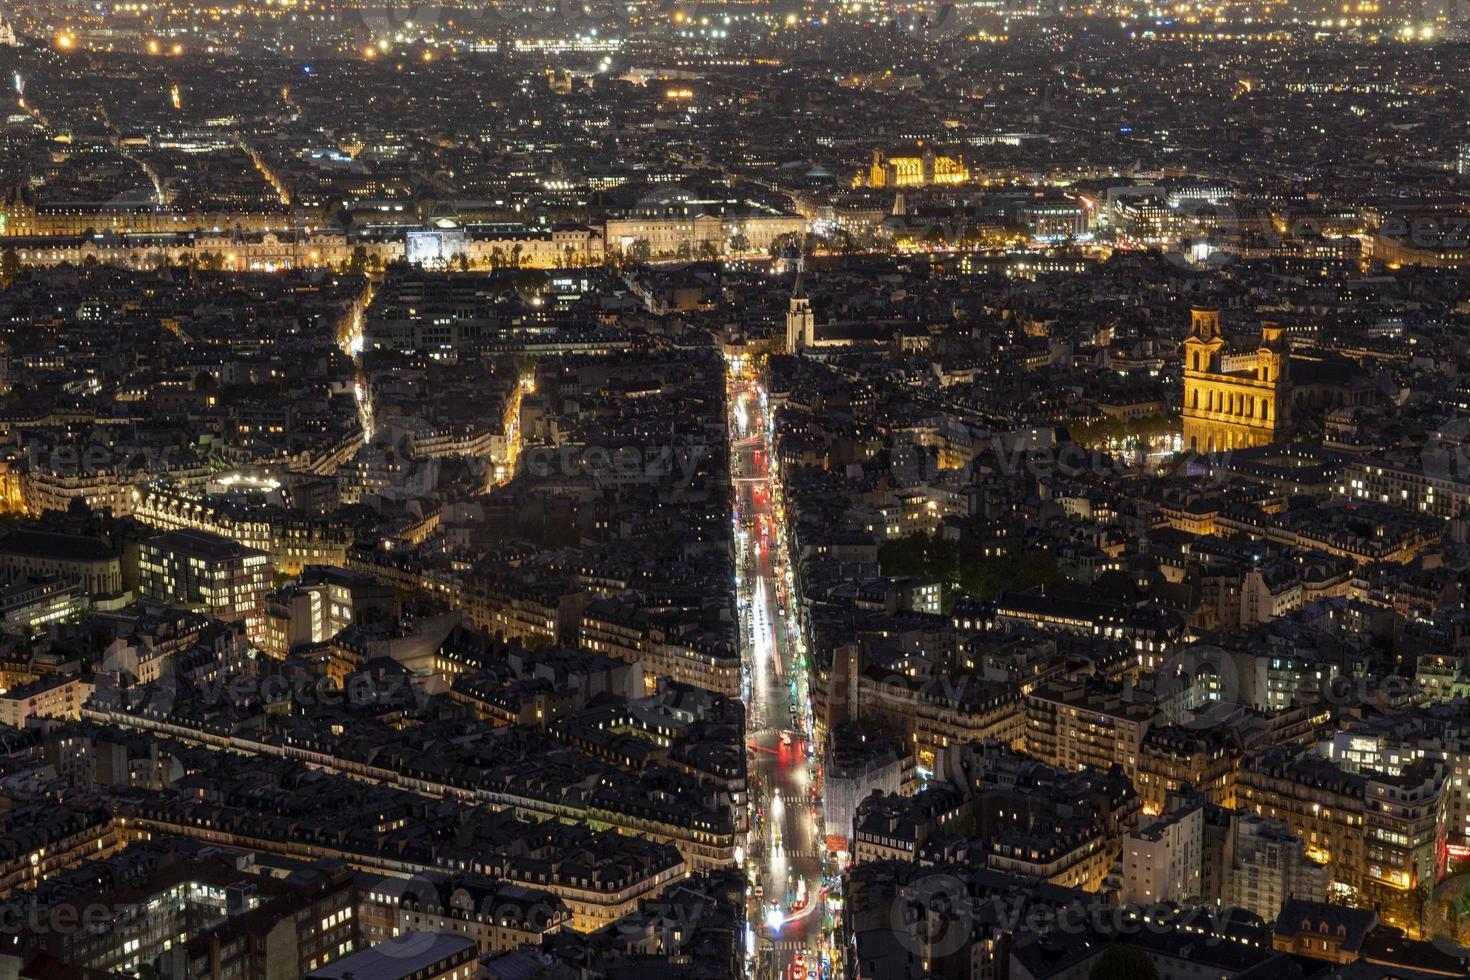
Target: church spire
(801, 323)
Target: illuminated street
(1076, 588)
(351, 342)
(786, 838)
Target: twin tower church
(1231, 400)
(1234, 401)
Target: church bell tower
(801, 322)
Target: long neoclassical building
(1234, 401)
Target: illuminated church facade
(921, 167)
(1234, 401)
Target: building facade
(1162, 861)
(1233, 401)
(918, 167)
(1269, 866)
(195, 568)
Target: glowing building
(1233, 401)
(919, 167)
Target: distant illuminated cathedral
(919, 167)
(1234, 401)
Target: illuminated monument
(801, 322)
(919, 167)
(1233, 401)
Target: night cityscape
(749, 489)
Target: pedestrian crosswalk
(791, 946)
